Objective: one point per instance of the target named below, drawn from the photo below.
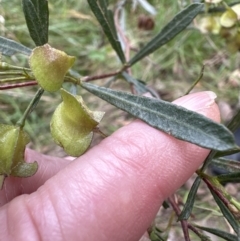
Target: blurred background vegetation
(169, 71)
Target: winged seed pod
(229, 18)
(72, 124)
(13, 141)
(50, 66)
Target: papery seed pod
(13, 141)
(228, 18)
(72, 124)
(210, 24)
(50, 66)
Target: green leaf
(170, 118)
(226, 213)
(36, 15)
(226, 164)
(187, 210)
(231, 177)
(174, 27)
(233, 125)
(105, 18)
(9, 47)
(219, 233)
(139, 86)
(226, 153)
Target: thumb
(114, 191)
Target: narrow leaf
(222, 234)
(139, 86)
(226, 213)
(105, 18)
(174, 27)
(233, 125)
(226, 164)
(208, 160)
(170, 118)
(187, 210)
(37, 18)
(231, 177)
(226, 153)
(9, 47)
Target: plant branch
(6, 66)
(214, 185)
(196, 81)
(7, 80)
(18, 85)
(96, 77)
(184, 223)
(30, 107)
(11, 73)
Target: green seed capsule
(229, 18)
(72, 124)
(13, 141)
(50, 66)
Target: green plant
(50, 68)
(222, 19)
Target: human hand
(112, 192)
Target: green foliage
(36, 15)
(174, 27)
(222, 234)
(227, 213)
(172, 119)
(9, 47)
(187, 210)
(105, 18)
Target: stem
(218, 189)
(6, 66)
(17, 85)
(2, 178)
(7, 80)
(11, 73)
(184, 223)
(30, 107)
(71, 79)
(235, 203)
(196, 81)
(90, 78)
(97, 130)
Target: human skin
(112, 192)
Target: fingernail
(197, 101)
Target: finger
(113, 191)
